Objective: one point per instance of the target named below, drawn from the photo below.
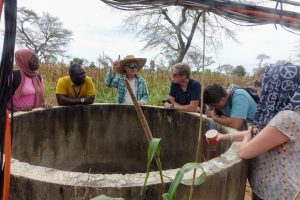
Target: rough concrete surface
(101, 149)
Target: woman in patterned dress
(273, 142)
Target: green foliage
(171, 195)
(92, 65)
(152, 65)
(207, 71)
(153, 151)
(80, 61)
(239, 71)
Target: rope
(199, 143)
(5, 93)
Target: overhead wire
(6, 65)
(236, 11)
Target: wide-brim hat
(130, 58)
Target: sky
(96, 29)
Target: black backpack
(17, 79)
(253, 93)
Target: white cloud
(96, 29)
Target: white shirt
(127, 99)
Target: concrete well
(69, 152)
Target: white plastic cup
(211, 136)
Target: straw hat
(130, 58)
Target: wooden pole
(139, 112)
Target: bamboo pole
(144, 123)
(199, 148)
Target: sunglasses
(133, 66)
(175, 75)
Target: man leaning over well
(77, 88)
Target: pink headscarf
(22, 58)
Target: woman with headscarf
(273, 142)
(27, 84)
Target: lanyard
(76, 94)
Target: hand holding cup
(211, 136)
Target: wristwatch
(172, 107)
(82, 100)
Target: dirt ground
(248, 195)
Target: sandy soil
(248, 195)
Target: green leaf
(103, 197)
(171, 195)
(153, 149)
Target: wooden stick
(139, 112)
(297, 196)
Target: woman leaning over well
(272, 144)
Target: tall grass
(158, 82)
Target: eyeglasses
(175, 75)
(133, 66)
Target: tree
(152, 65)
(105, 60)
(80, 61)
(44, 34)
(173, 31)
(261, 58)
(207, 72)
(226, 68)
(239, 71)
(92, 65)
(196, 57)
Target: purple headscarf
(280, 91)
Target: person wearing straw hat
(128, 69)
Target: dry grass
(158, 82)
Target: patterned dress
(275, 175)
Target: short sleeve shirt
(241, 106)
(66, 87)
(275, 175)
(192, 92)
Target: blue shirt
(192, 92)
(118, 81)
(240, 105)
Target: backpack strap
(39, 77)
(16, 80)
(230, 98)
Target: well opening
(104, 139)
(54, 150)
